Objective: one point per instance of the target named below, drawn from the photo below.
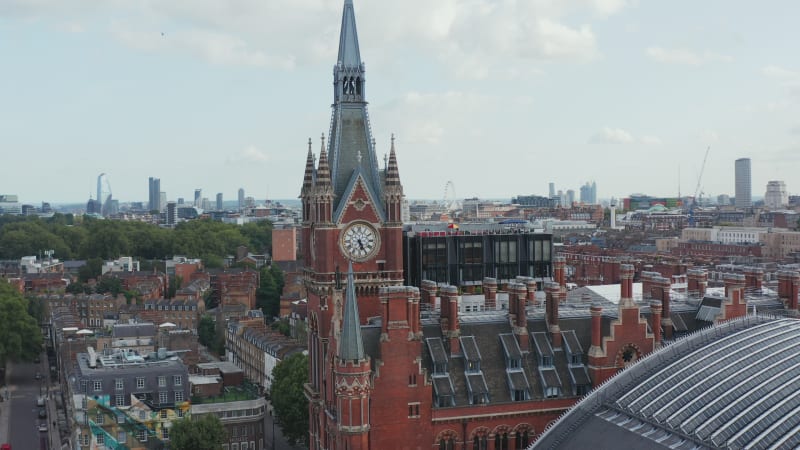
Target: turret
(393, 190)
(324, 190)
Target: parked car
(42, 413)
(43, 427)
(5, 447)
(38, 376)
(40, 401)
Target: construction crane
(697, 189)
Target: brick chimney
(530, 285)
(794, 291)
(559, 271)
(655, 323)
(450, 329)
(427, 293)
(784, 285)
(788, 289)
(490, 293)
(662, 286)
(697, 281)
(735, 304)
(553, 295)
(518, 298)
(648, 284)
(753, 277)
(626, 285)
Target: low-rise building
(122, 398)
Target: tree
(20, 337)
(291, 405)
(268, 294)
(206, 331)
(205, 433)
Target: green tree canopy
(204, 433)
(206, 331)
(291, 405)
(20, 337)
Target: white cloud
(651, 140)
(684, 57)
(773, 71)
(249, 155)
(215, 48)
(612, 136)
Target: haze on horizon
(501, 97)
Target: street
(19, 408)
(278, 443)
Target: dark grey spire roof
(349, 55)
(351, 145)
(351, 345)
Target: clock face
(360, 241)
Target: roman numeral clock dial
(359, 241)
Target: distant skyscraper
(219, 201)
(552, 190)
(99, 200)
(744, 189)
(172, 213)
(162, 200)
(570, 198)
(154, 201)
(241, 198)
(589, 193)
(198, 198)
(776, 196)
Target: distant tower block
(613, 214)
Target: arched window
(446, 444)
(523, 440)
(480, 443)
(501, 441)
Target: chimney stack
(655, 323)
(626, 285)
(697, 281)
(427, 293)
(553, 293)
(754, 277)
(735, 304)
(559, 271)
(662, 286)
(450, 329)
(596, 350)
(490, 293)
(518, 298)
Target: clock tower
(352, 247)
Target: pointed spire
(323, 170)
(351, 345)
(308, 178)
(349, 54)
(392, 172)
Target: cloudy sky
(498, 96)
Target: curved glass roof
(735, 385)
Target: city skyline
(226, 96)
